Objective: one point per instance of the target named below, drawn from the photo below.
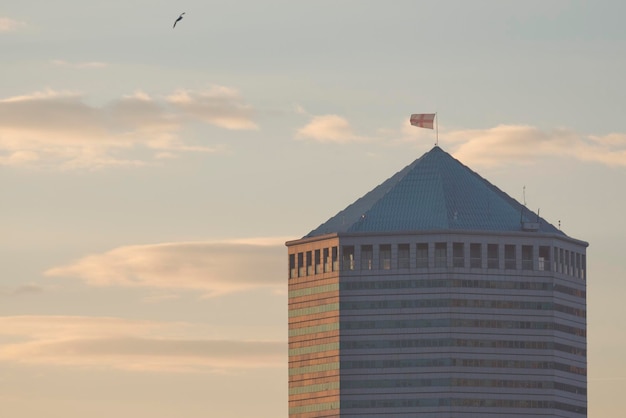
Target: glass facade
(453, 327)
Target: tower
(437, 295)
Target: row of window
(436, 382)
(438, 363)
(483, 403)
(435, 403)
(437, 303)
(438, 255)
(462, 303)
(458, 283)
(460, 382)
(438, 283)
(455, 342)
(458, 362)
(435, 323)
(438, 343)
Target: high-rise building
(437, 295)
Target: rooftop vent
(530, 226)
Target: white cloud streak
(219, 106)
(60, 129)
(329, 128)
(519, 144)
(105, 342)
(79, 65)
(8, 25)
(212, 268)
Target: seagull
(177, 20)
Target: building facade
(437, 295)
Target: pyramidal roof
(435, 192)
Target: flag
(423, 120)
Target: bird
(177, 20)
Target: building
(437, 295)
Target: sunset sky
(150, 176)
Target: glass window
(458, 254)
(527, 257)
(292, 266)
(318, 262)
(347, 257)
(403, 256)
(422, 255)
(309, 263)
(583, 266)
(335, 258)
(509, 257)
(441, 254)
(301, 271)
(476, 260)
(367, 257)
(493, 257)
(385, 257)
(543, 262)
(326, 256)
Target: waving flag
(423, 120)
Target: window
(335, 258)
(493, 259)
(583, 266)
(422, 255)
(367, 257)
(556, 260)
(458, 254)
(292, 266)
(318, 262)
(476, 260)
(301, 271)
(403, 256)
(326, 255)
(543, 262)
(509, 257)
(527, 257)
(441, 254)
(347, 257)
(309, 263)
(385, 257)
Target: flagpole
(436, 130)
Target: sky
(150, 176)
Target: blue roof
(435, 192)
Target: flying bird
(178, 20)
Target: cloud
(213, 268)
(79, 65)
(105, 342)
(329, 128)
(7, 25)
(219, 106)
(520, 144)
(60, 129)
(26, 289)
